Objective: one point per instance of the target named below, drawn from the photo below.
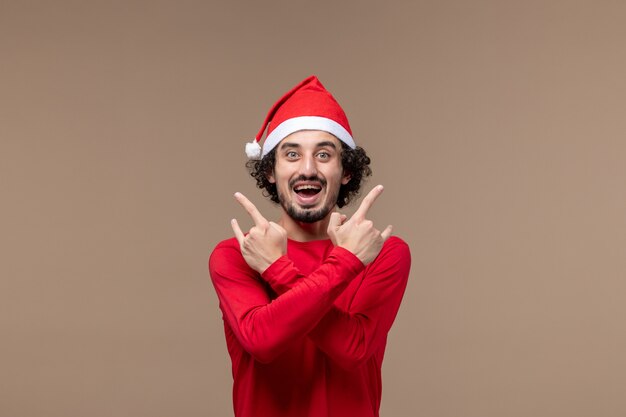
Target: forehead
(309, 138)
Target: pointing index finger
(237, 231)
(256, 215)
(367, 202)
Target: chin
(306, 215)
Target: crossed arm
(351, 335)
(265, 327)
(304, 306)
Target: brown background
(497, 127)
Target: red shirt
(307, 338)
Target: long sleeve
(350, 336)
(265, 327)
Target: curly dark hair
(355, 162)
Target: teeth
(307, 187)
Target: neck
(304, 232)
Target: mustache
(315, 178)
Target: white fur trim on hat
(296, 124)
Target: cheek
(280, 180)
(281, 173)
(336, 174)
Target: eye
(323, 155)
(291, 154)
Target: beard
(308, 215)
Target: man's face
(308, 174)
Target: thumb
(334, 222)
(386, 233)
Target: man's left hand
(266, 241)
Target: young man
(308, 301)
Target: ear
(270, 178)
(346, 178)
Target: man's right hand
(358, 235)
(266, 241)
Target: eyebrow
(319, 145)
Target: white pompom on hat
(307, 106)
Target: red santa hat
(307, 106)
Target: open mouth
(307, 193)
(307, 190)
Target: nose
(308, 166)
